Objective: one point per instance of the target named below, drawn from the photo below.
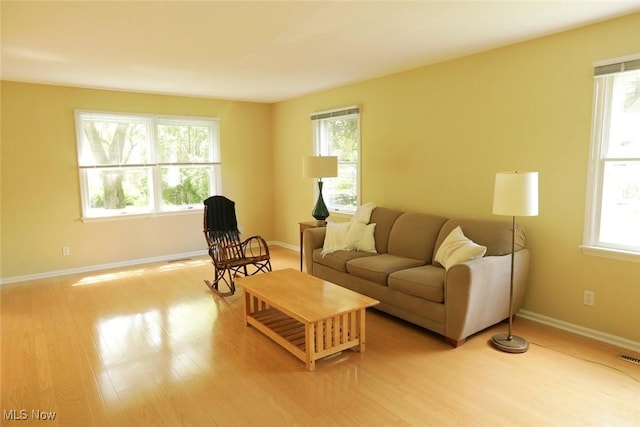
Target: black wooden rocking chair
(230, 255)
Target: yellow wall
(433, 139)
(41, 207)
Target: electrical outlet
(66, 251)
(589, 297)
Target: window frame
(320, 148)
(604, 76)
(152, 163)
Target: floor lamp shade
(515, 194)
(320, 167)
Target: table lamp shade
(320, 166)
(516, 194)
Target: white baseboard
(580, 330)
(128, 263)
(285, 245)
(86, 269)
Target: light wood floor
(151, 345)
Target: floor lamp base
(510, 343)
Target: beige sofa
(403, 276)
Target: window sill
(142, 215)
(611, 253)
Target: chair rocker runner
(229, 255)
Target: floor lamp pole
(508, 342)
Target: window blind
(617, 67)
(335, 113)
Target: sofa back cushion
(414, 235)
(495, 235)
(384, 219)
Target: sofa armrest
(312, 238)
(477, 293)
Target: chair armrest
(477, 293)
(312, 238)
(255, 246)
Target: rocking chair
(229, 255)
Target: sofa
(403, 274)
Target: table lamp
(320, 167)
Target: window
(337, 133)
(140, 164)
(612, 220)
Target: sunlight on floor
(109, 276)
(176, 265)
(170, 266)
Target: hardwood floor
(152, 345)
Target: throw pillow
(360, 237)
(457, 248)
(357, 234)
(335, 238)
(363, 213)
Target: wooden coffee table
(309, 317)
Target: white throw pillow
(335, 238)
(363, 213)
(356, 234)
(457, 248)
(360, 237)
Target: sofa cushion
(338, 259)
(495, 235)
(377, 268)
(414, 235)
(426, 282)
(384, 219)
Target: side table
(308, 224)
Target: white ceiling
(264, 51)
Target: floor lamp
(320, 167)
(515, 194)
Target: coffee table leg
(309, 333)
(247, 305)
(361, 330)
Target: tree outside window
(137, 164)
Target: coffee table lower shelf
(308, 341)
